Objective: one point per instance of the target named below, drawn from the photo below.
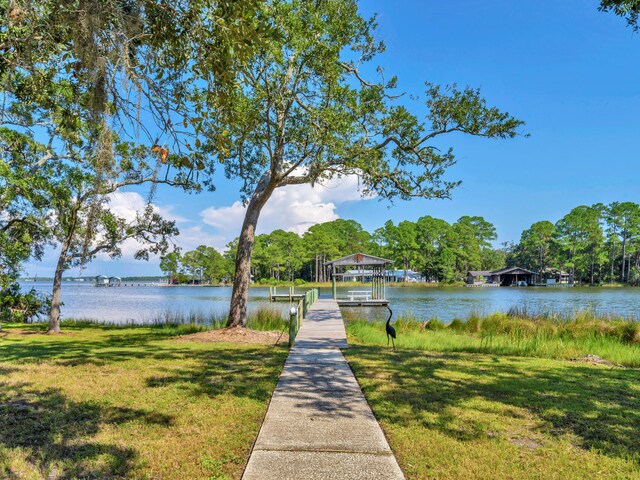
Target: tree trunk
(613, 255)
(624, 254)
(54, 314)
(541, 269)
(242, 278)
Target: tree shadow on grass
(54, 430)
(248, 372)
(245, 371)
(108, 347)
(598, 407)
(55, 433)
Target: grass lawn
(450, 415)
(129, 403)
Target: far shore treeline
(595, 244)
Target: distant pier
(290, 296)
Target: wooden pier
(382, 302)
(290, 297)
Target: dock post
(301, 313)
(305, 304)
(334, 290)
(293, 320)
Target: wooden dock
(291, 295)
(285, 297)
(383, 302)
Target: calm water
(143, 304)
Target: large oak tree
(88, 88)
(312, 105)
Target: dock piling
(293, 324)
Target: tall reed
(517, 332)
(264, 317)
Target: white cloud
(192, 237)
(126, 204)
(294, 208)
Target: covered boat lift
(104, 281)
(376, 267)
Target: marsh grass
(267, 318)
(516, 333)
(176, 322)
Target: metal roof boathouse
(506, 277)
(375, 268)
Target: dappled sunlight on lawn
(130, 403)
(488, 416)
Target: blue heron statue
(391, 332)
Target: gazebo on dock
(371, 268)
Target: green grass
(615, 340)
(469, 415)
(135, 403)
(264, 318)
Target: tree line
(593, 244)
(443, 252)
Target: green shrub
(434, 324)
(23, 307)
(457, 325)
(631, 332)
(474, 323)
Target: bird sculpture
(391, 332)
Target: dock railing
(290, 296)
(299, 312)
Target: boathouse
(104, 281)
(554, 276)
(506, 277)
(391, 276)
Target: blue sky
(571, 72)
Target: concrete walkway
(319, 425)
